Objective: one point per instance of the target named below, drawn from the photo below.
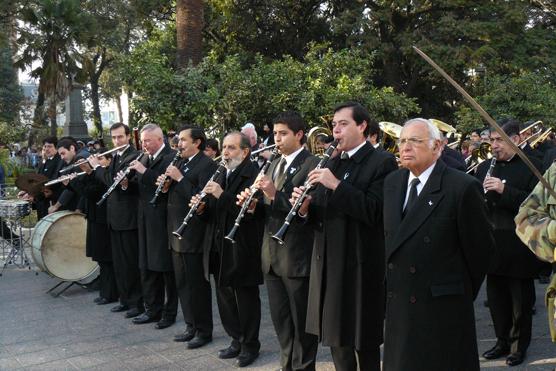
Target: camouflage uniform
(536, 227)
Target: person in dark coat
(438, 247)
(236, 266)
(155, 258)
(122, 222)
(286, 267)
(97, 245)
(189, 176)
(510, 285)
(68, 197)
(49, 167)
(346, 287)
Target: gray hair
(434, 133)
(153, 128)
(244, 141)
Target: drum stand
(9, 228)
(70, 284)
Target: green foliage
(529, 96)
(226, 94)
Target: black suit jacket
(121, 204)
(348, 253)
(436, 257)
(70, 197)
(240, 262)
(49, 168)
(293, 259)
(154, 253)
(196, 173)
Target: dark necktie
(412, 195)
(344, 156)
(279, 175)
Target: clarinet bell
(230, 236)
(279, 236)
(179, 232)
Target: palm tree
(189, 32)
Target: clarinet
(247, 202)
(179, 232)
(117, 181)
(490, 169)
(279, 236)
(161, 184)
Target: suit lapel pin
(185, 170)
(292, 170)
(346, 175)
(430, 203)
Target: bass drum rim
(37, 247)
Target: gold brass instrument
(478, 155)
(541, 138)
(312, 139)
(531, 126)
(391, 135)
(450, 132)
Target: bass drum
(58, 246)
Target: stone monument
(75, 125)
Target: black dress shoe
(229, 352)
(97, 299)
(198, 342)
(164, 322)
(515, 359)
(187, 335)
(119, 308)
(104, 301)
(496, 352)
(245, 359)
(133, 312)
(145, 318)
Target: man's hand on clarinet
(296, 194)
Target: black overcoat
(49, 168)
(121, 204)
(240, 262)
(154, 253)
(346, 289)
(437, 257)
(196, 173)
(98, 236)
(512, 257)
(293, 258)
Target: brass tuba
(391, 134)
(313, 143)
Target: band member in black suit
(438, 247)
(510, 285)
(68, 197)
(122, 221)
(98, 235)
(155, 258)
(189, 176)
(49, 167)
(346, 289)
(286, 267)
(236, 267)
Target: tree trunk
(52, 115)
(97, 119)
(119, 106)
(189, 28)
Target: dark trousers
(126, 267)
(194, 292)
(158, 287)
(107, 279)
(346, 358)
(288, 309)
(510, 302)
(240, 312)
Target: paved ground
(40, 332)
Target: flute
(118, 180)
(179, 232)
(84, 160)
(247, 202)
(161, 184)
(279, 236)
(63, 178)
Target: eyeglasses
(411, 141)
